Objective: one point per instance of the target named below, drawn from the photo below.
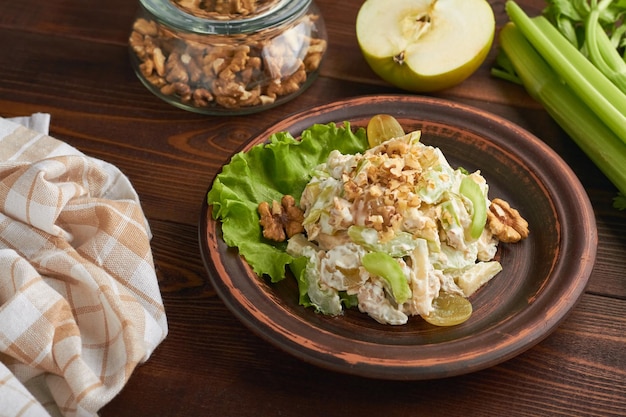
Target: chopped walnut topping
(505, 222)
(281, 220)
(387, 188)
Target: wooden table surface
(69, 58)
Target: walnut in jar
(226, 69)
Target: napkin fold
(80, 305)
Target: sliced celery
(470, 189)
(589, 132)
(386, 267)
(402, 244)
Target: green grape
(450, 310)
(383, 127)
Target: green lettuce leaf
(265, 173)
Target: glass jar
(227, 57)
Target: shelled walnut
(230, 72)
(505, 222)
(224, 9)
(280, 221)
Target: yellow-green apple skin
(425, 45)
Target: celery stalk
(589, 132)
(610, 54)
(601, 51)
(585, 80)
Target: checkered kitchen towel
(80, 306)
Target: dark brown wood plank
(70, 58)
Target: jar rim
(171, 15)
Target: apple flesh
(425, 45)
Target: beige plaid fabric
(80, 305)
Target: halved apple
(425, 45)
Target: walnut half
(281, 220)
(505, 222)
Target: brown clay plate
(542, 279)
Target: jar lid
(176, 15)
